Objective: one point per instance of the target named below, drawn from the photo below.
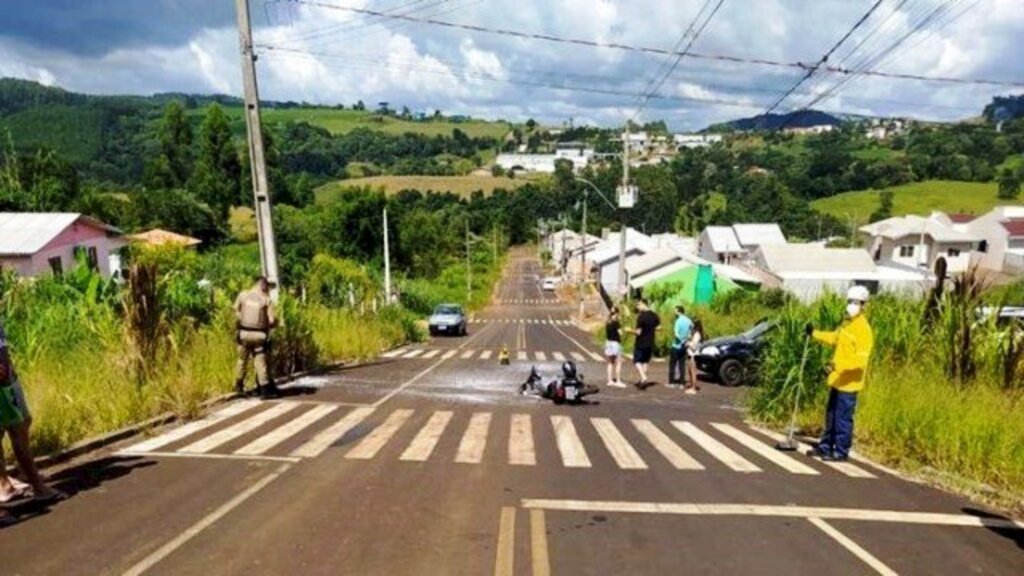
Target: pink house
(33, 244)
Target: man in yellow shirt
(852, 342)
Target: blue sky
(320, 54)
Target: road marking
(847, 468)
(474, 440)
(723, 453)
(210, 456)
(449, 354)
(191, 428)
(539, 543)
(264, 444)
(521, 451)
(666, 447)
(577, 356)
(423, 444)
(431, 354)
(413, 354)
(324, 439)
(541, 357)
(376, 440)
(596, 356)
(467, 354)
(180, 540)
(485, 355)
(767, 452)
(503, 561)
(393, 353)
(521, 355)
(854, 548)
(558, 356)
(774, 511)
(244, 427)
(622, 452)
(574, 455)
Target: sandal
(51, 497)
(18, 493)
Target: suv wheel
(731, 373)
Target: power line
(824, 59)
(651, 50)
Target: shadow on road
(1015, 535)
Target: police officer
(852, 342)
(254, 315)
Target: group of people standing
(687, 336)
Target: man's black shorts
(642, 354)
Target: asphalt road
(427, 462)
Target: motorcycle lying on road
(570, 388)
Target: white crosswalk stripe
(846, 468)
(431, 353)
(182, 432)
(574, 455)
(423, 444)
(376, 440)
(622, 452)
(467, 354)
(449, 354)
(558, 356)
(666, 447)
(474, 441)
(265, 443)
(393, 353)
(332, 434)
(763, 450)
(521, 451)
(723, 453)
(413, 354)
(245, 426)
(521, 355)
(485, 355)
(541, 357)
(577, 356)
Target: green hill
(74, 132)
(915, 198)
(343, 121)
(460, 185)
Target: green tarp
(698, 285)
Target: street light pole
(622, 227)
(583, 253)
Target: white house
(605, 256)
(647, 265)
(809, 270)
(1002, 239)
(916, 242)
(816, 129)
(753, 236)
(33, 244)
(695, 140)
(719, 244)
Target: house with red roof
(1002, 248)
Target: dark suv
(734, 359)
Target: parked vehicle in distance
(734, 359)
(448, 319)
(549, 284)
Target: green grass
(344, 121)
(461, 185)
(876, 153)
(916, 198)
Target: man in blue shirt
(677, 359)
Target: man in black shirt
(647, 324)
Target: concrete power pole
(622, 233)
(583, 255)
(387, 262)
(469, 267)
(257, 159)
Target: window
(983, 246)
(92, 258)
(906, 251)
(953, 252)
(56, 265)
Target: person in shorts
(647, 323)
(16, 422)
(613, 348)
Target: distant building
(816, 129)
(725, 244)
(34, 244)
(695, 140)
(917, 242)
(1002, 239)
(579, 154)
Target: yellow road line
(539, 543)
(503, 561)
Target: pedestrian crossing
(302, 430)
(490, 354)
(525, 301)
(536, 321)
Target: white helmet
(858, 293)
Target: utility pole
(622, 233)
(387, 262)
(257, 160)
(583, 253)
(469, 268)
(563, 259)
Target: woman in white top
(692, 345)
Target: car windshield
(447, 310)
(758, 330)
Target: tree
(884, 206)
(175, 136)
(1009, 185)
(531, 124)
(217, 177)
(359, 106)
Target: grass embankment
(344, 121)
(917, 198)
(460, 185)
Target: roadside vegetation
(921, 198)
